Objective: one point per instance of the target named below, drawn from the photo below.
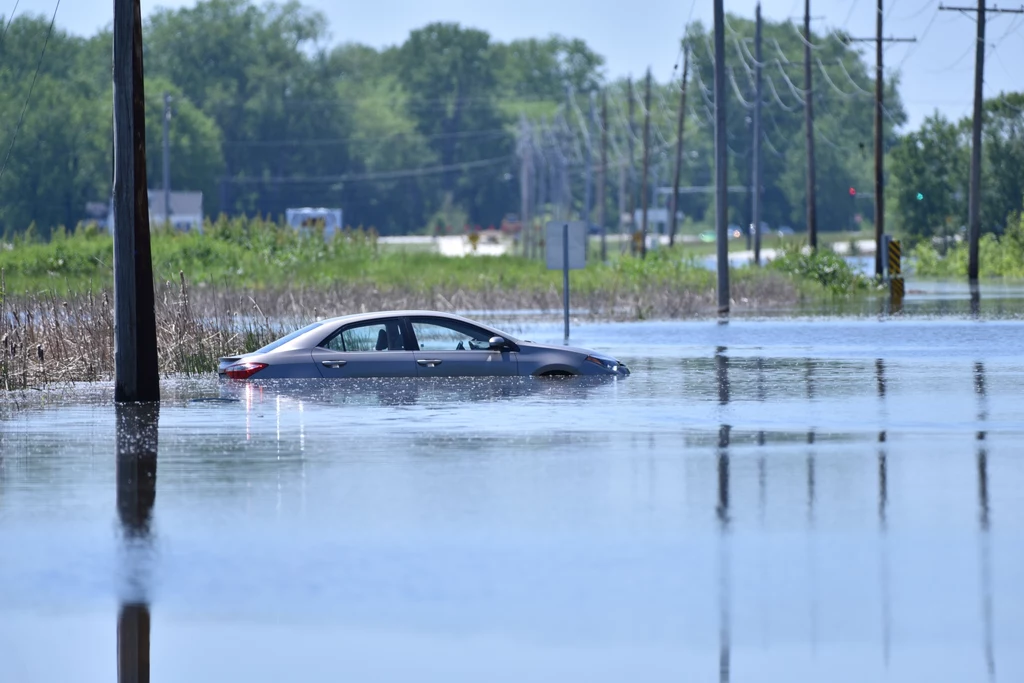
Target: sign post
(566, 249)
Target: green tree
(262, 75)
(197, 161)
(450, 75)
(928, 173)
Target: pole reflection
(137, 429)
(883, 510)
(722, 514)
(984, 522)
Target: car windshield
(287, 338)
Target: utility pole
(812, 210)
(647, 165)
(602, 171)
(524, 180)
(588, 192)
(721, 168)
(136, 377)
(167, 157)
(680, 120)
(974, 206)
(755, 209)
(630, 198)
(879, 152)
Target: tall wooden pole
(524, 182)
(680, 123)
(755, 209)
(721, 165)
(601, 175)
(974, 208)
(167, 157)
(974, 201)
(136, 377)
(644, 191)
(879, 159)
(631, 172)
(812, 210)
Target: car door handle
(429, 363)
(334, 363)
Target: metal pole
(601, 174)
(647, 165)
(680, 121)
(756, 208)
(565, 276)
(812, 210)
(975, 188)
(879, 160)
(135, 361)
(167, 158)
(721, 165)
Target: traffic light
(853, 192)
(920, 196)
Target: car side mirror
(497, 343)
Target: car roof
(376, 315)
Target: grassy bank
(244, 283)
(998, 256)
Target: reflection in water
(136, 494)
(722, 513)
(883, 509)
(722, 374)
(984, 522)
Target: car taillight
(243, 370)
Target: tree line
(266, 114)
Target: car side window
(370, 336)
(449, 335)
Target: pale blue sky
(937, 71)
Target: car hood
(557, 347)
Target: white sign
(555, 256)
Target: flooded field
(771, 500)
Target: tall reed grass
(51, 337)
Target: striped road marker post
(896, 287)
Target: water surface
(765, 500)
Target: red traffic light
(853, 192)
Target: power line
(31, 87)
(319, 142)
(374, 175)
(9, 20)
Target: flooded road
(766, 500)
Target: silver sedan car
(411, 344)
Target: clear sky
(937, 72)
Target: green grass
(1001, 256)
(258, 254)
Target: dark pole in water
(721, 165)
(135, 361)
(136, 454)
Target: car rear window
(288, 337)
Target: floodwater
(769, 500)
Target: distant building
(97, 213)
(186, 211)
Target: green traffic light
(920, 196)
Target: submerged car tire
(556, 373)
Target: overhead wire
(9, 20)
(842, 67)
(31, 88)
(828, 79)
